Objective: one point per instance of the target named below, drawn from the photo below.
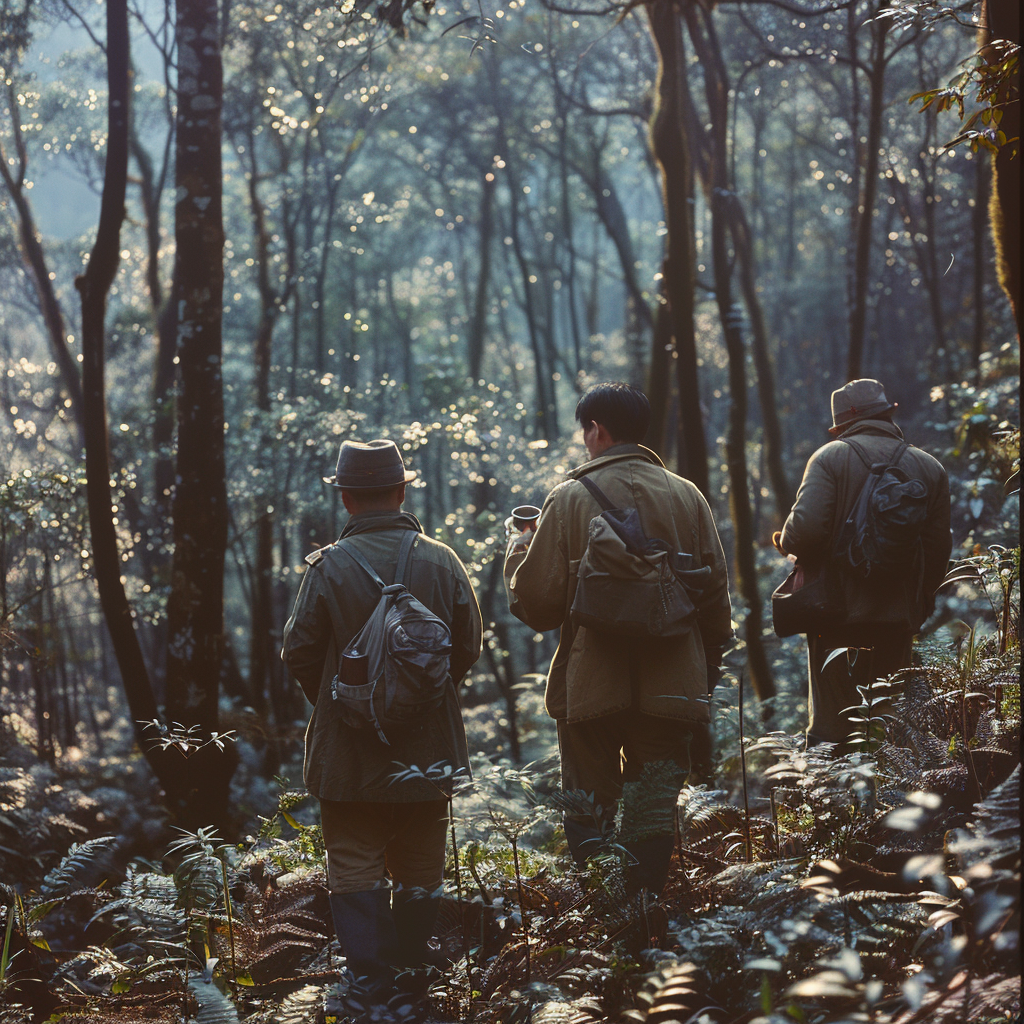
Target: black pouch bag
(809, 601)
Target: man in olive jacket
(884, 610)
(622, 703)
(375, 828)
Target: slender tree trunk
(659, 378)
(739, 229)
(94, 285)
(979, 220)
(879, 28)
(717, 88)
(671, 151)
(1001, 20)
(195, 611)
(478, 326)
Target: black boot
(650, 863)
(366, 933)
(415, 913)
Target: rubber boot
(415, 913)
(651, 860)
(366, 933)
(645, 879)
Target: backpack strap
(599, 495)
(362, 563)
(897, 455)
(405, 556)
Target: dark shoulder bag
(811, 598)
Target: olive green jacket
(346, 763)
(594, 674)
(832, 480)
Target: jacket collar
(616, 453)
(876, 428)
(367, 522)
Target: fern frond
(301, 1007)
(61, 880)
(214, 1006)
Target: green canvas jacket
(831, 482)
(593, 674)
(346, 763)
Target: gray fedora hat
(369, 464)
(858, 400)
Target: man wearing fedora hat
(885, 610)
(385, 839)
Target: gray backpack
(881, 533)
(631, 584)
(394, 671)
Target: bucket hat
(369, 464)
(859, 400)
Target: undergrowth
(881, 885)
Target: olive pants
(368, 841)
(880, 651)
(639, 758)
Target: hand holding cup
(523, 522)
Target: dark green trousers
(645, 756)
(881, 650)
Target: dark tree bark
(865, 208)
(717, 89)
(743, 243)
(151, 186)
(979, 222)
(671, 151)
(195, 607)
(478, 325)
(94, 285)
(1001, 20)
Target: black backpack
(881, 532)
(394, 671)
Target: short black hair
(621, 409)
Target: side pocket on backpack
(355, 704)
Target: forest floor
(882, 885)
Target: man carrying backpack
(629, 689)
(887, 559)
(385, 840)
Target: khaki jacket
(346, 763)
(832, 480)
(593, 674)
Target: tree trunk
(879, 28)
(739, 229)
(978, 228)
(195, 612)
(94, 285)
(478, 327)
(671, 151)
(717, 88)
(1001, 20)
(165, 329)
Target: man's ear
(604, 439)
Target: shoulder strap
(599, 495)
(897, 454)
(405, 557)
(362, 562)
